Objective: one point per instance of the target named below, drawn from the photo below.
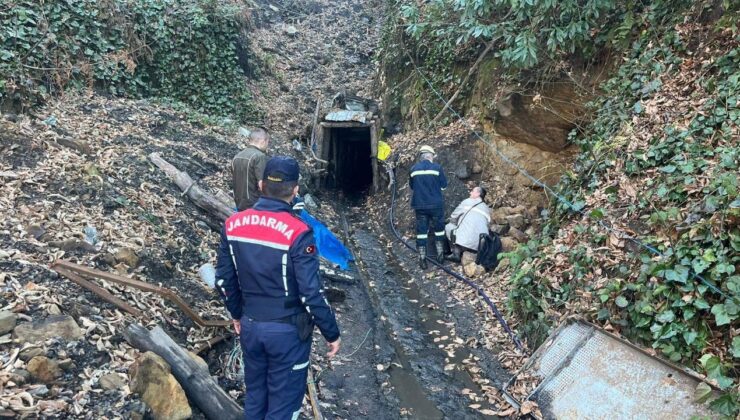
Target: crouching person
(468, 221)
(268, 276)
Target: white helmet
(427, 149)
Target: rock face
(61, 326)
(151, 378)
(44, 369)
(541, 118)
(7, 322)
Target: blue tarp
(329, 246)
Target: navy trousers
(425, 218)
(275, 369)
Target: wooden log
(198, 384)
(225, 198)
(200, 197)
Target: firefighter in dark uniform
(427, 180)
(268, 275)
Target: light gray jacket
(472, 224)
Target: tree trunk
(200, 197)
(197, 382)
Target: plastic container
(207, 273)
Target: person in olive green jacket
(248, 167)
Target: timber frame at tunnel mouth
(350, 149)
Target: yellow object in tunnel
(384, 150)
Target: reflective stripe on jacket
(427, 180)
(268, 267)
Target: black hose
(452, 273)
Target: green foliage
(183, 49)
(683, 301)
(529, 31)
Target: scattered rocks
(508, 243)
(59, 326)
(513, 222)
(29, 353)
(476, 168)
(35, 231)
(516, 221)
(518, 235)
(20, 376)
(151, 378)
(107, 259)
(66, 364)
(44, 369)
(7, 321)
(474, 270)
(39, 391)
(127, 256)
(111, 381)
(470, 268)
(500, 229)
(291, 30)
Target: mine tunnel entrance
(350, 150)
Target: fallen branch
(69, 267)
(201, 198)
(197, 382)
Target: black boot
(422, 257)
(440, 251)
(456, 254)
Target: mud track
(410, 333)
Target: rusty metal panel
(356, 116)
(588, 373)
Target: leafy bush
(660, 160)
(183, 49)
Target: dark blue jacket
(427, 180)
(268, 267)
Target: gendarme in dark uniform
(268, 273)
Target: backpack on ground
(489, 246)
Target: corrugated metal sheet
(588, 373)
(358, 116)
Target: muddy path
(421, 349)
(410, 348)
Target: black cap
(281, 169)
